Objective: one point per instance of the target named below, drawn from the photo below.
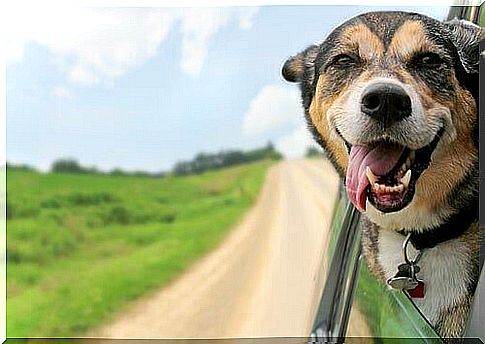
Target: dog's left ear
(466, 37)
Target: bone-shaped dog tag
(405, 278)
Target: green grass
(81, 246)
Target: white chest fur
(444, 270)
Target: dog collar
(455, 226)
(405, 278)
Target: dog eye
(344, 60)
(429, 60)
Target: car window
(353, 303)
(377, 311)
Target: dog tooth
(370, 175)
(406, 179)
(388, 189)
(408, 162)
(404, 167)
(375, 186)
(400, 188)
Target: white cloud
(279, 107)
(246, 17)
(61, 92)
(80, 74)
(295, 144)
(91, 44)
(197, 27)
(94, 45)
(272, 107)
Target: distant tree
(232, 158)
(19, 167)
(141, 174)
(67, 166)
(161, 174)
(92, 170)
(313, 152)
(205, 161)
(183, 168)
(117, 172)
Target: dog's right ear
(295, 67)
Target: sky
(143, 88)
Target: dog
(392, 98)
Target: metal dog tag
(405, 278)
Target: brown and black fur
(445, 200)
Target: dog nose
(386, 102)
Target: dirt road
(261, 281)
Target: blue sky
(143, 88)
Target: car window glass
(380, 312)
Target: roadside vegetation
(313, 152)
(200, 163)
(82, 245)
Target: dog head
(392, 99)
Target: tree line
(200, 163)
(203, 161)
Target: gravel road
(261, 280)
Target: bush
(84, 199)
(67, 166)
(18, 210)
(118, 214)
(313, 152)
(168, 218)
(77, 199)
(19, 167)
(38, 242)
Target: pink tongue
(380, 159)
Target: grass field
(81, 246)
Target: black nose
(386, 102)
